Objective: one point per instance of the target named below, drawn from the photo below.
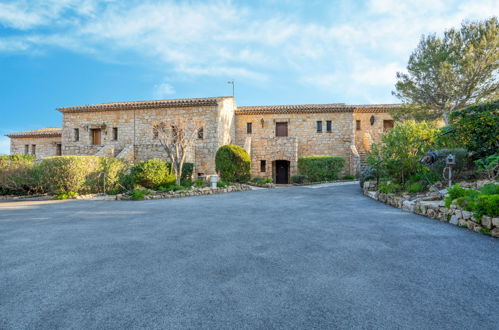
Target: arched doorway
(281, 171)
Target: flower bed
(432, 206)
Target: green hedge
(60, 175)
(81, 174)
(18, 175)
(152, 173)
(320, 168)
(477, 128)
(233, 163)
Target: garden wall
(433, 207)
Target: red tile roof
(145, 104)
(42, 132)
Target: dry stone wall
(432, 207)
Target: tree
(178, 136)
(449, 73)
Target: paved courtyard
(289, 258)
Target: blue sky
(73, 52)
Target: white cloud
(163, 90)
(227, 39)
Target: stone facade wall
(368, 133)
(218, 129)
(302, 140)
(45, 146)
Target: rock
(495, 222)
(477, 228)
(462, 223)
(454, 220)
(431, 213)
(466, 215)
(119, 197)
(408, 206)
(494, 232)
(487, 222)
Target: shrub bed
(320, 168)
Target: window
(26, 149)
(33, 149)
(155, 133)
(200, 133)
(263, 166)
(249, 128)
(58, 150)
(77, 134)
(115, 133)
(329, 127)
(319, 126)
(387, 125)
(201, 175)
(281, 129)
(357, 125)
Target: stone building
(274, 136)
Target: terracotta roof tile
(314, 108)
(299, 108)
(42, 132)
(145, 104)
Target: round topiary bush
(152, 173)
(233, 163)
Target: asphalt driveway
(290, 258)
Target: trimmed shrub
(19, 175)
(298, 178)
(64, 174)
(476, 128)
(187, 170)
(233, 163)
(320, 168)
(152, 173)
(349, 177)
(80, 174)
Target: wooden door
(96, 136)
(282, 171)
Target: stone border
(190, 192)
(261, 185)
(433, 207)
